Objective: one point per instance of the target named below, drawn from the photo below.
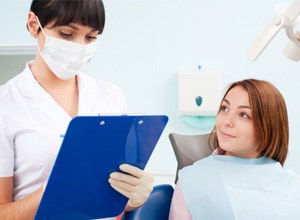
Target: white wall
(13, 19)
(146, 43)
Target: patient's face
(234, 125)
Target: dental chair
(187, 149)
(156, 207)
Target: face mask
(66, 58)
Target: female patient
(244, 178)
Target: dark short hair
(64, 12)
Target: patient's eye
(224, 108)
(244, 115)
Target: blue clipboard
(93, 147)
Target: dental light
(287, 21)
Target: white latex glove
(134, 183)
(44, 186)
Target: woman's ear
(32, 24)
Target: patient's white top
(32, 125)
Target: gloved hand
(44, 186)
(135, 184)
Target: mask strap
(38, 46)
(40, 25)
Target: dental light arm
(286, 21)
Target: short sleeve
(6, 152)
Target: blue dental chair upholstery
(156, 207)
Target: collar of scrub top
(30, 88)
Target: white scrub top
(32, 125)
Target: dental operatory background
(147, 44)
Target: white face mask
(66, 58)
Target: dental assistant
(38, 104)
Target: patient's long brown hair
(270, 118)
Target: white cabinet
(17, 49)
(13, 59)
(12, 65)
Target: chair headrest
(189, 148)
